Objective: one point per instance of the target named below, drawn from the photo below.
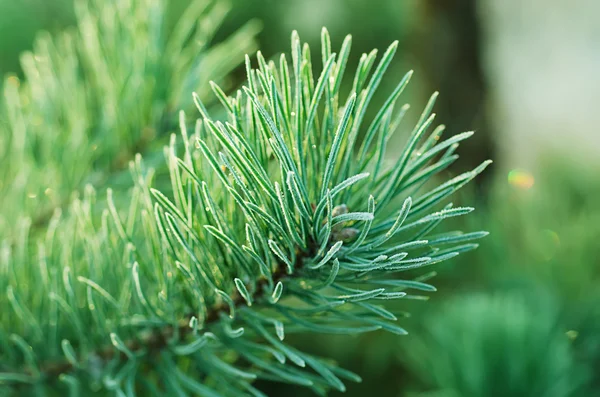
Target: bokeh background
(520, 316)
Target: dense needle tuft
(284, 212)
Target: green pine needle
(275, 221)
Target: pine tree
(281, 211)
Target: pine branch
(272, 215)
(158, 339)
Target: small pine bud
(339, 210)
(346, 235)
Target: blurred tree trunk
(447, 45)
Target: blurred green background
(520, 315)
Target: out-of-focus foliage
(547, 225)
(21, 20)
(95, 95)
(495, 345)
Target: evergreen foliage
(101, 92)
(509, 344)
(281, 213)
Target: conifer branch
(159, 339)
(268, 213)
